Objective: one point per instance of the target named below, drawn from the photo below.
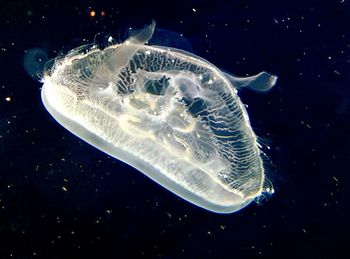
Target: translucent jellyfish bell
(168, 113)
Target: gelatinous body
(172, 115)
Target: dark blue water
(61, 198)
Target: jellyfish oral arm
(262, 82)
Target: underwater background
(62, 198)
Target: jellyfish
(170, 114)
